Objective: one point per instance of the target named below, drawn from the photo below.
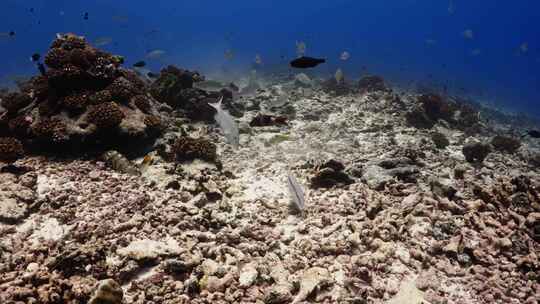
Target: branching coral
(188, 148)
(11, 149)
(106, 115)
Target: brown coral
(143, 103)
(72, 41)
(435, 107)
(122, 90)
(11, 149)
(505, 143)
(106, 115)
(153, 122)
(20, 125)
(13, 102)
(50, 130)
(100, 97)
(79, 58)
(372, 83)
(188, 148)
(56, 58)
(75, 102)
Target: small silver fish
(210, 85)
(451, 7)
(476, 52)
(339, 76)
(468, 34)
(103, 41)
(345, 56)
(524, 47)
(258, 59)
(155, 54)
(300, 48)
(227, 124)
(229, 54)
(431, 41)
(296, 193)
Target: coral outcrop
(372, 83)
(476, 152)
(11, 149)
(264, 120)
(330, 174)
(187, 148)
(505, 143)
(175, 88)
(84, 92)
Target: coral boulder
(83, 93)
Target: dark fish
(139, 64)
(306, 62)
(41, 69)
(85, 16)
(532, 133)
(35, 57)
(31, 10)
(152, 75)
(234, 87)
(12, 33)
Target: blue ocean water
(407, 42)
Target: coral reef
(171, 82)
(187, 148)
(476, 152)
(106, 115)
(15, 101)
(333, 87)
(435, 107)
(330, 174)
(440, 140)
(505, 143)
(372, 83)
(84, 92)
(264, 120)
(400, 218)
(11, 149)
(175, 88)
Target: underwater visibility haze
(337, 151)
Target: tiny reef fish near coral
(155, 54)
(139, 64)
(306, 62)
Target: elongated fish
(227, 124)
(296, 192)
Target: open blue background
(388, 37)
